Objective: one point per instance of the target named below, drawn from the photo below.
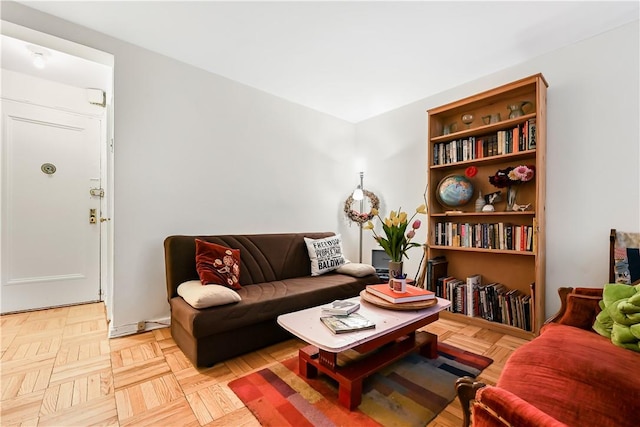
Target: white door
(50, 253)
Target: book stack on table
(340, 316)
(412, 294)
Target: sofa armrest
(495, 406)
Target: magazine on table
(341, 307)
(353, 322)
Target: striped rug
(410, 392)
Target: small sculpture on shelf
(520, 208)
(450, 128)
(467, 119)
(490, 199)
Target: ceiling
(352, 59)
(17, 55)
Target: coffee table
(394, 336)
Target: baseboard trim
(132, 328)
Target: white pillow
(203, 296)
(325, 254)
(356, 269)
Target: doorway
(55, 173)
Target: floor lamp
(358, 194)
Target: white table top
(306, 324)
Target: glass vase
(512, 192)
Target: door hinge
(97, 192)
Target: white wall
(196, 153)
(593, 155)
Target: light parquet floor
(58, 368)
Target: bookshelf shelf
(529, 154)
(485, 129)
(490, 251)
(513, 279)
(485, 214)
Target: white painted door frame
(107, 156)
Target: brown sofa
(567, 376)
(276, 278)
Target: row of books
(436, 267)
(520, 138)
(492, 302)
(504, 236)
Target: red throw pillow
(217, 264)
(581, 311)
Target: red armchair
(567, 376)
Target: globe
(454, 191)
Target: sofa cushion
(543, 373)
(199, 296)
(266, 301)
(325, 254)
(217, 264)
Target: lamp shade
(358, 194)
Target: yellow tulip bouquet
(396, 242)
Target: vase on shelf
(512, 192)
(480, 203)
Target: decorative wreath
(361, 217)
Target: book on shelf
(532, 133)
(436, 268)
(339, 324)
(342, 307)
(473, 295)
(412, 293)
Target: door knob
(105, 219)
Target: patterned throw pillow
(217, 264)
(325, 254)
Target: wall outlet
(141, 326)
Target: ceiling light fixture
(39, 56)
(38, 60)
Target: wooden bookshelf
(516, 269)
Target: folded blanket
(622, 334)
(624, 313)
(603, 323)
(619, 319)
(635, 299)
(615, 292)
(622, 337)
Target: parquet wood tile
(18, 379)
(96, 412)
(468, 342)
(240, 418)
(58, 368)
(191, 379)
(212, 403)
(136, 373)
(176, 413)
(80, 369)
(21, 408)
